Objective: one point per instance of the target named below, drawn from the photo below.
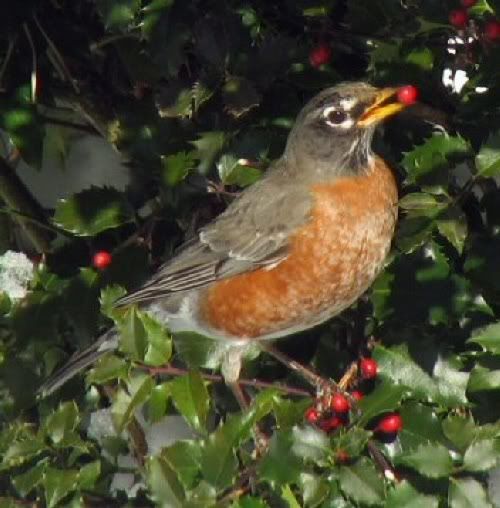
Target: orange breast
(333, 259)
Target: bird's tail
(79, 361)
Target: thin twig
(6, 60)
(109, 40)
(381, 462)
(177, 371)
(34, 63)
(45, 225)
(57, 55)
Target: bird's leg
(231, 367)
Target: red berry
(492, 30)
(458, 18)
(102, 259)
(343, 456)
(357, 395)
(390, 424)
(340, 404)
(331, 424)
(369, 368)
(319, 55)
(408, 94)
(312, 415)
(468, 3)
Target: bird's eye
(334, 116)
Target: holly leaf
(434, 155)
(239, 96)
(432, 460)
(176, 167)
(207, 147)
(488, 157)
(191, 398)
(385, 397)
(92, 211)
(483, 379)
(119, 14)
(231, 172)
(362, 483)
(482, 455)
(58, 484)
(126, 402)
(164, 484)
(404, 494)
(467, 493)
(488, 337)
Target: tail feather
(80, 361)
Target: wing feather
(253, 232)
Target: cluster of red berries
(333, 413)
(459, 18)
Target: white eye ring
(345, 124)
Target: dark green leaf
(488, 337)
(92, 211)
(157, 404)
(433, 156)
(89, 474)
(310, 443)
(459, 430)
(396, 365)
(352, 442)
(482, 379)
(58, 484)
(176, 167)
(404, 494)
(385, 397)
(166, 490)
(108, 368)
(218, 461)
(191, 398)
(249, 502)
(280, 466)
(421, 425)
(208, 146)
(362, 483)
(432, 460)
(467, 493)
(184, 458)
(118, 14)
(488, 158)
(133, 334)
(21, 451)
(159, 347)
(482, 455)
(239, 96)
(232, 173)
(289, 497)
(139, 389)
(26, 482)
(314, 489)
(62, 423)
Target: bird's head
(335, 128)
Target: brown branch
(217, 378)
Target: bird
(292, 250)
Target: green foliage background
(184, 91)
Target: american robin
(291, 251)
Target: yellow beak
(383, 107)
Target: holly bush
(197, 98)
